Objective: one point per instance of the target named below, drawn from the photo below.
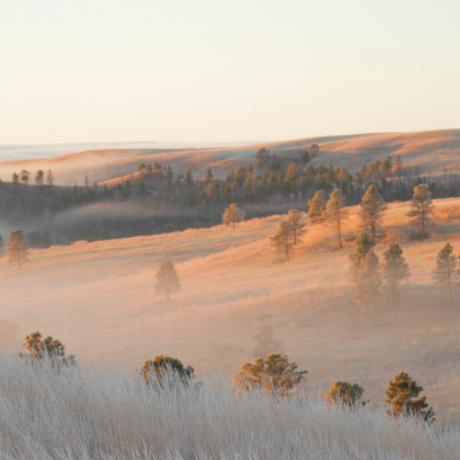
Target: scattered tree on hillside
(275, 375)
(283, 239)
(422, 208)
(445, 271)
(266, 342)
(24, 176)
(40, 348)
(164, 370)
(49, 178)
(167, 280)
(335, 213)
(402, 395)
(394, 270)
(297, 227)
(17, 248)
(262, 158)
(345, 394)
(15, 178)
(316, 206)
(233, 215)
(365, 270)
(39, 176)
(372, 208)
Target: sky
(225, 71)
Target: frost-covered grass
(80, 414)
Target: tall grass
(79, 414)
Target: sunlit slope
(433, 151)
(100, 299)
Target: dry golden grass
(99, 298)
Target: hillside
(433, 151)
(100, 299)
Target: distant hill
(432, 151)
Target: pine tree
(209, 175)
(335, 213)
(372, 208)
(294, 220)
(165, 371)
(394, 270)
(422, 208)
(283, 239)
(40, 348)
(402, 396)
(15, 178)
(167, 280)
(50, 178)
(39, 177)
(274, 374)
(445, 270)
(17, 248)
(316, 206)
(233, 215)
(365, 270)
(345, 394)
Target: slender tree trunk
(339, 231)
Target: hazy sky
(218, 70)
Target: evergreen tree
(17, 248)
(39, 177)
(283, 239)
(316, 206)
(372, 208)
(365, 270)
(395, 270)
(274, 374)
(445, 270)
(294, 220)
(24, 177)
(335, 213)
(345, 394)
(40, 348)
(167, 280)
(209, 175)
(422, 208)
(402, 396)
(15, 178)
(49, 178)
(165, 371)
(233, 215)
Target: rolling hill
(434, 152)
(236, 296)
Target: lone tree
(394, 270)
(345, 394)
(365, 270)
(50, 178)
(335, 213)
(164, 370)
(283, 239)
(275, 375)
(372, 208)
(233, 215)
(167, 280)
(17, 249)
(445, 270)
(316, 206)
(402, 396)
(41, 349)
(421, 209)
(39, 176)
(294, 220)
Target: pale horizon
(225, 72)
